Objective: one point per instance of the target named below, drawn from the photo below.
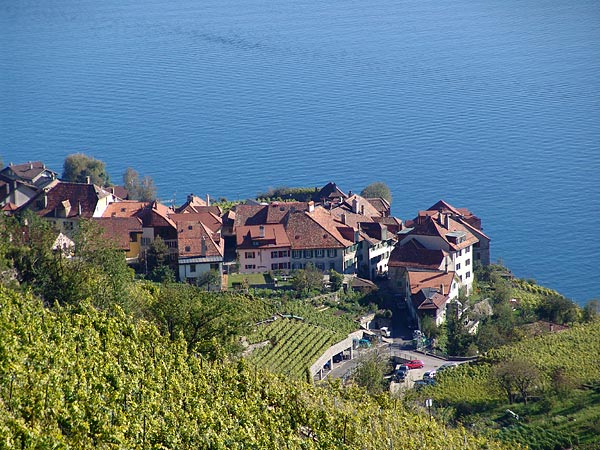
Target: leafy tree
(377, 189)
(77, 167)
(370, 373)
(143, 190)
(517, 375)
(558, 309)
(157, 262)
(428, 327)
(210, 278)
(336, 279)
(307, 279)
(458, 338)
(591, 311)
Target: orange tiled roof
(414, 255)
(273, 236)
(194, 239)
(443, 226)
(119, 228)
(211, 220)
(430, 279)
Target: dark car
(422, 383)
(415, 364)
(401, 374)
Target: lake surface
(490, 105)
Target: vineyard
(77, 378)
(295, 345)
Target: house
(199, 244)
(481, 249)
(440, 231)
(125, 233)
(330, 194)
(261, 248)
(376, 246)
(430, 294)
(20, 183)
(64, 204)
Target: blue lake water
(492, 105)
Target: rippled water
(492, 105)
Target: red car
(414, 364)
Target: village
(427, 261)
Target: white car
(385, 332)
(429, 375)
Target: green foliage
(78, 166)
(143, 190)
(211, 279)
(591, 311)
(370, 373)
(157, 263)
(83, 379)
(294, 346)
(307, 279)
(336, 279)
(376, 190)
(538, 438)
(558, 309)
(284, 193)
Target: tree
(558, 309)
(307, 279)
(591, 311)
(157, 262)
(143, 190)
(210, 278)
(336, 279)
(377, 189)
(517, 375)
(369, 373)
(77, 167)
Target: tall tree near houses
(143, 190)
(79, 167)
(377, 189)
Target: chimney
(442, 289)
(45, 196)
(190, 198)
(261, 231)
(384, 235)
(88, 180)
(30, 165)
(311, 206)
(79, 208)
(355, 206)
(343, 218)
(203, 247)
(207, 200)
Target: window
(284, 254)
(145, 241)
(332, 265)
(250, 266)
(478, 256)
(249, 255)
(255, 243)
(192, 267)
(274, 265)
(319, 253)
(132, 237)
(320, 266)
(468, 275)
(458, 266)
(468, 262)
(188, 248)
(296, 266)
(459, 252)
(308, 253)
(296, 254)
(274, 254)
(68, 225)
(331, 252)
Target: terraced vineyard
(294, 345)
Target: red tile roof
(430, 279)
(27, 172)
(212, 221)
(310, 231)
(194, 239)
(118, 229)
(414, 255)
(273, 236)
(68, 200)
(445, 227)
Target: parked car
(422, 383)
(446, 366)
(385, 332)
(415, 364)
(338, 357)
(429, 375)
(401, 373)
